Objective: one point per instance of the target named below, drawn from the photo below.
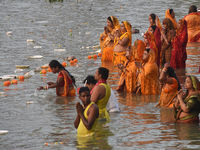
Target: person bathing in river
(122, 40)
(87, 114)
(106, 40)
(65, 81)
(187, 106)
(112, 105)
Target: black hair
(153, 16)
(104, 72)
(90, 79)
(83, 89)
(109, 18)
(170, 11)
(192, 9)
(153, 27)
(148, 49)
(171, 73)
(55, 63)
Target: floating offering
(30, 40)
(87, 33)
(45, 66)
(96, 47)
(60, 50)
(9, 33)
(71, 62)
(30, 102)
(64, 64)
(6, 83)
(37, 47)
(49, 70)
(89, 57)
(43, 71)
(94, 56)
(75, 60)
(14, 81)
(98, 51)
(4, 131)
(21, 78)
(22, 66)
(88, 47)
(18, 70)
(99, 54)
(5, 78)
(2, 93)
(36, 57)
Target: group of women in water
(163, 48)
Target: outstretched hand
(40, 88)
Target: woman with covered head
(106, 40)
(169, 13)
(65, 81)
(187, 106)
(170, 86)
(147, 81)
(122, 40)
(167, 34)
(157, 34)
(193, 24)
(154, 21)
(150, 43)
(128, 71)
(179, 43)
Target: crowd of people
(163, 48)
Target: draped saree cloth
(192, 102)
(107, 51)
(168, 93)
(179, 43)
(119, 57)
(152, 42)
(148, 78)
(168, 15)
(169, 33)
(193, 26)
(159, 25)
(66, 90)
(127, 81)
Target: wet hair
(171, 72)
(170, 11)
(90, 79)
(55, 63)
(103, 72)
(192, 9)
(153, 16)
(109, 18)
(153, 27)
(83, 89)
(147, 49)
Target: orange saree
(152, 43)
(149, 76)
(66, 90)
(193, 26)
(127, 80)
(119, 57)
(106, 48)
(168, 15)
(168, 93)
(158, 25)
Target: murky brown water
(50, 119)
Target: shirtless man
(87, 114)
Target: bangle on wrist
(164, 69)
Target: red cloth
(62, 83)
(179, 55)
(99, 82)
(157, 35)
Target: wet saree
(127, 81)
(193, 26)
(67, 89)
(179, 43)
(168, 15)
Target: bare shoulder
(99, 88)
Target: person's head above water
(90, 82)
(84, 95)
(101, 73)
(192, 9)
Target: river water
(48, 122)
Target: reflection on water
(50, 119)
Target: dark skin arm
(98, 93)
(163, 78)
(93, 113)
(180, 99)
(77, 121)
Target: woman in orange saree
(154, 20)
(147, 81)
(193, 24)
(187, 106)
(65, 81)
(170, 86)
(127, 81)
(166, 36)
(179, 43)
(150, 42)
(169, 13)
(156, 31)
(121, 42)
(106, 43)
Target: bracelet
(164, 69)
(46, 87)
